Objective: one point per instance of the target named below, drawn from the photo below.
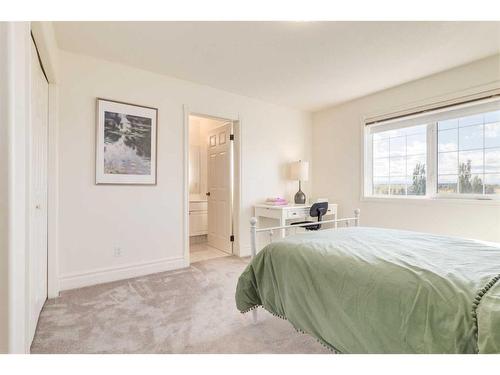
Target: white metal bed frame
(254, 230)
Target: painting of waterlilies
(125, 143)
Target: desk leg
(283, 223)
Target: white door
(219, 178)
(38, 191)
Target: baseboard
(105, 275)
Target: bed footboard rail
(254, 230)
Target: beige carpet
(185, 311)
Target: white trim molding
(106, 275)
(15, 65)
(4, 192)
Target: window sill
(432, 200)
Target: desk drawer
(270, 212)
(304, 213)
(297, 213)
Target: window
(451, 152)
(399, 159)
(469, 154)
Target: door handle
(207, 194)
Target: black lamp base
(300, 197)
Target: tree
(418, 180)
(467, 184)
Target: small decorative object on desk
(276, 201)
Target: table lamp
(299, 171)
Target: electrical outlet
(117, 252)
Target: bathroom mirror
(194, 169)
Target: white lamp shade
(299, 170)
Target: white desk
(290, 212)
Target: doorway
(211, 187)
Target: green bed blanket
(371, 290)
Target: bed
(372, 290)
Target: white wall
(146, 221)
(337, 153)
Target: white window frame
(368, 168)
(431, 118)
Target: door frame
(17, 54)
(236, 181)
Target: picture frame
(126, 143)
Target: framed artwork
(125, 143)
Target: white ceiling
(305, 65)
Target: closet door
(38, 149)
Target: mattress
(373, 290)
